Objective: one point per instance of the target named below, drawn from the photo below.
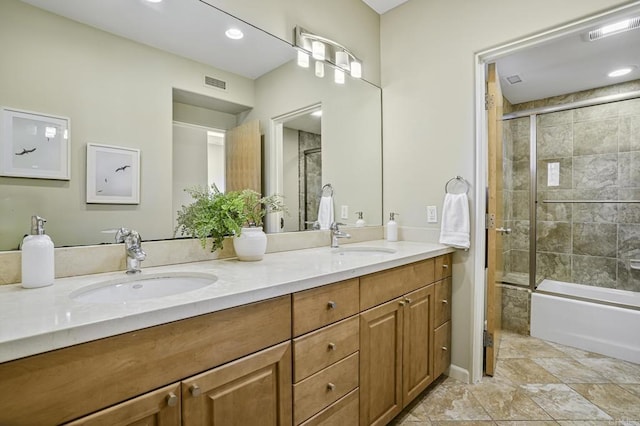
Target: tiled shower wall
(309, 185)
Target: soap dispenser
(360, 223)
(37, 256)
(392, 228)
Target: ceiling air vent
(616, 28)
(513, 79)
(214, 82)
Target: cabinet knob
(195, 390)
(444, 348)
(445, 301)
(330, 386)
(331, 346)
(445, 266)
(172, 399)
(331, 304)
(406, 299)
(401, 303)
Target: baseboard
(458, 373)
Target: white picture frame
(113, 174)
(34, 145)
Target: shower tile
(555, 141)
(520, 205)
(595, 239)
(521, 148)
(629, 169)
(629, 132)
(555, 100)
(596, 112)
(595, 212)
(523, 106)
(595, 171)
(507, 175)
(614, 400)
(631, 106)
(569, 370)
(521, 172)
(554, 237)
(617, 371)
(629, 240)
(595, 137)
(554, 266)
(557, 212)
(519, 237)
(629, 86)
(515, 309)
(595, 93)
(629, 212)
(628, 279)
(520, 261)
(507, 402)
(453, 400)
(523, 370)
(563, 403)
(566, 165)
(591, 270)
(555, 118)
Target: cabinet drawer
(324, 305)
(381, 287)
(443, 266)
(442, 348)
(343, 412)
(319, 349)
(443, 301)
(323, 388)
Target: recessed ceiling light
(234, 34)
(620, 72)
(317, 113)
(154, 1)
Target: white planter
(251, 244)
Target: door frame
(481, 59)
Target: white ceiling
(194, 29)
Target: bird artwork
(26, 151)
(122, 169)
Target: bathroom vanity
(333, 338)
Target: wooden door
(493, 312)
(160, 407)
(381, 363)
(243, 158)
(417, 350)
(254, 390)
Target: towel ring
(329, 190)
(454, 180)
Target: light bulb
(339, 76)
(234, 34)
(317, 50)
(356, 69)
(303, 59)
(319, 69)
(342, 60)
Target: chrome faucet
(337, 233)
(133, 245)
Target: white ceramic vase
(251, 244)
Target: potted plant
(216, 215)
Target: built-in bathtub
(595, 319)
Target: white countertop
(39, 320)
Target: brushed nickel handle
(331, 346)
(444, 348)
(172, 399)
(195, 390)
(401, 303)
(331, 304)
(445, 301)
(445, 266)
(330, 386)
(406, 299)
(504, 230)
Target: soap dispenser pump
(392, 227)
(360, 223)
(37, 256)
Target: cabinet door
(254, 390)
(417, 350)
(381, 363)
(160, 407)
(442, 348)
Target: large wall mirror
(158, 78)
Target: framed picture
(34, 145)
(113, 174)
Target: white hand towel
(325, 211)
(455, 228)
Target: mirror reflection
(179, 113)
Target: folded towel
(325, 211)
(455, 221)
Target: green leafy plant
(216, 215)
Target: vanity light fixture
(620, 72)
(234, 33)
(326, 52)
(615, 28)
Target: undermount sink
(363, 250)
(134, 288)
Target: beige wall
(427, 69)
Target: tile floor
(536, 383)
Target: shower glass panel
(516, 172)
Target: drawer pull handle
(406, 299)
(331, 304)
(195, 390)
(330, 386)
(444, 348)
(331, 346)
(401, 303)
(445, 301)
(172, 399)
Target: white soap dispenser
(392, 228)
(360, 223)
(37, 256)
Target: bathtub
(595, 319)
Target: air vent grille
(214, 82)
(607, 30)
(513, 79)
